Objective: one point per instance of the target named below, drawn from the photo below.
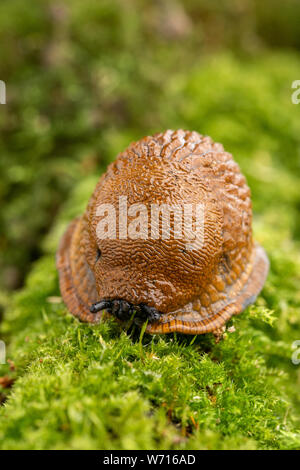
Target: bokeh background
(84, 79)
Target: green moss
(90, 386)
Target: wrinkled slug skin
(196, 291)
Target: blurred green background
(85, 78)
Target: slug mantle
(197, 271)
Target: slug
(166, 238)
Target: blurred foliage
(84, 78)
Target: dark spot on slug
(98, 256)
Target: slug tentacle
(150, 312)
(123, 310)
(102, 305)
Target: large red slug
(147, 271)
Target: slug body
(191, 288)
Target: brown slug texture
(177, 288)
